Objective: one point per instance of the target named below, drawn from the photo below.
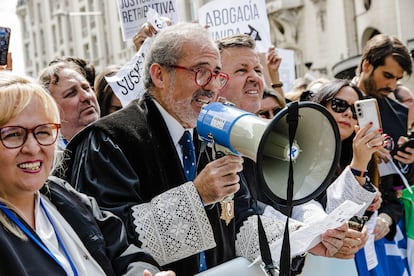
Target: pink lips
(31, 166)
(344, 123)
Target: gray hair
(50, 74)
(169, 45)
(236, 41)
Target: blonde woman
(46, 227)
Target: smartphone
(4, 44)
(367, 111)
(409, 143)
(357, 222)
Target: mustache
(203, 93)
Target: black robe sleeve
(102, 233)
(102, 171)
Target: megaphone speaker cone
(315, 153)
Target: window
(367, 4)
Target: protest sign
(229, 17)
(133, 13)
(287, 72)
(127, 84)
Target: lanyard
(22, 227)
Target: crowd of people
(89, 186)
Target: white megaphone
(315, 149)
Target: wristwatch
(368, 185)
(277, 84)
(359, 173)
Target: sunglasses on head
(340, 106)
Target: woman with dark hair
(357, 160)
(358, 147)
(108, 101)
(338, 96)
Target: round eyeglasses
(13, 137)
(203, 76)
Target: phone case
(367, 111)
(4, 44)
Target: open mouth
(251, 92)
(32, 166)
(202, 101)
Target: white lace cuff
(247, 242)
(173, 225)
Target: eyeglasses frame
(197, 70)
(28, 131)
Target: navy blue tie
(189, 162)
(189, 165)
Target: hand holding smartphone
(357, 222)
(367, 111)
(409, 143)
(4, 44)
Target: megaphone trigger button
(219, 154)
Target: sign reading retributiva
(133, 13)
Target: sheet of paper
(370, 254)
(308, 236)
(390, 168)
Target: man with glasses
(132, 161)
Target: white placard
(132, 14)
(229, 17)
(309, 235)
(287, 72)
(128, 84)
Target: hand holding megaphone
(219, 179)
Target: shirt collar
(175, 129)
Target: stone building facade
(327, 36)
